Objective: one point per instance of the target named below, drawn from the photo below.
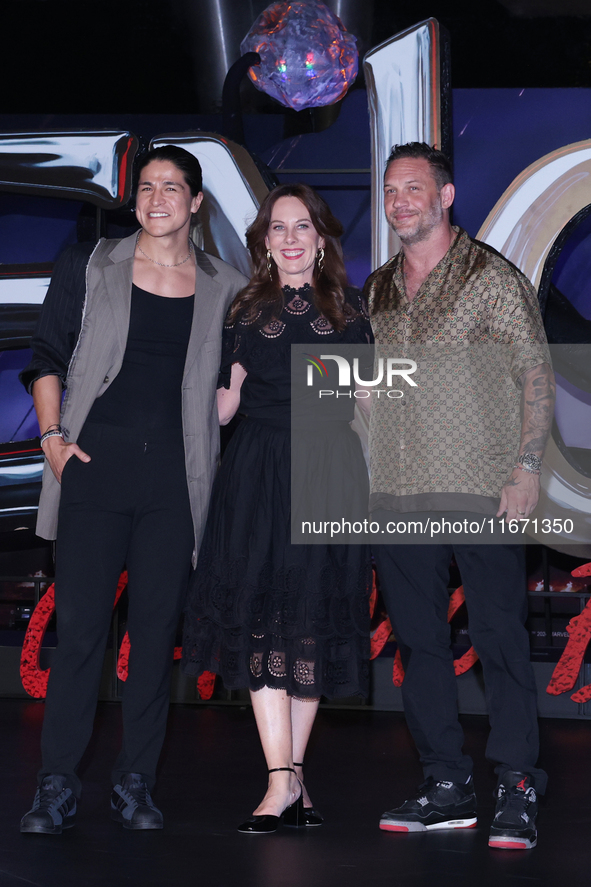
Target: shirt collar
(458, 247)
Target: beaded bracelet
(56, 433)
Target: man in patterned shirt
(464, 446)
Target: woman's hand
(57, 452)
(229, 398)
(363, 400)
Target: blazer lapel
(207, 300)
(118, 272)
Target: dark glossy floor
(213, 774)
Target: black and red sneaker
(437, 805)
(514, 825)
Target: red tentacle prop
(34, 678)
(382, 633)
(568, 666)
(123, 658)
(205, 684)
(583, 570)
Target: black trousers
(128, 506)
(413, 580)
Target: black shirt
(146, 393)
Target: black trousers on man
(128, 507)
(413, 581)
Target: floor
(213, 774)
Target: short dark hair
(437, 160)
(184, 161)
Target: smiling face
(164, 202)
(414, 206)
(293, 241)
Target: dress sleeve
(235, 339)
(360, 327)
(59, 324)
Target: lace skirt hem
(304, 667)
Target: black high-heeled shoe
(311, 816)
(266, 823)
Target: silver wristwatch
(530, 462)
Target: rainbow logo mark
(314, 362)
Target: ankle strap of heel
(277, 769)
(298, 765)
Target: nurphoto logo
(388, 369)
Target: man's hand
(521, 492)
(47, 396)
(57, 452)
(520, 495)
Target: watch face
(530, 460)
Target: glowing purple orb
(308, 59)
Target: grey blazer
(98, 356)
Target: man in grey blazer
(130, 458)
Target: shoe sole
(398, 826)
(512, 843)
(142, 826)
(300, 826)
(247, 832)
(41, 830)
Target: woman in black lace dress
(291, 622)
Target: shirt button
(402, 446)
(105, 380)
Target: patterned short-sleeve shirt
(473, 329)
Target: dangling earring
(269, 266)
(320, 259)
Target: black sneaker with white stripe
(514, 825)
(132, 804)
(437, 805)
(53, 810)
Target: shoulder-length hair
(262, 298)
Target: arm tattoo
(537, 408)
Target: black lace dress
(261, 611)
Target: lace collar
(304, 292)
(298, 301)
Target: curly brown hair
(262, 298)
